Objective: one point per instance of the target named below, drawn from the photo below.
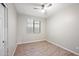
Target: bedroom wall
(23, 36)
(63, 27)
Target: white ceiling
(28, 9)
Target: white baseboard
(31, 41)
(63, 47)
(14, 50)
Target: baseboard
(31, 41)
(14, 50)
(63, 47)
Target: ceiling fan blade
(49, 5)
(35, 8)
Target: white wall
(11, 29)
(23, 36)
(63, 27)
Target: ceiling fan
(42, 6)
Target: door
(1, 30)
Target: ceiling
(28, 9)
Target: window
(33, 26)
(36, 26)
(29, 26)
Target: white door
(1, 30)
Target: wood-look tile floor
(42, 48)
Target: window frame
(33, 28)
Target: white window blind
(29, 26)
(33, 26)
(36, 26)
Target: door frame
(5, 29)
